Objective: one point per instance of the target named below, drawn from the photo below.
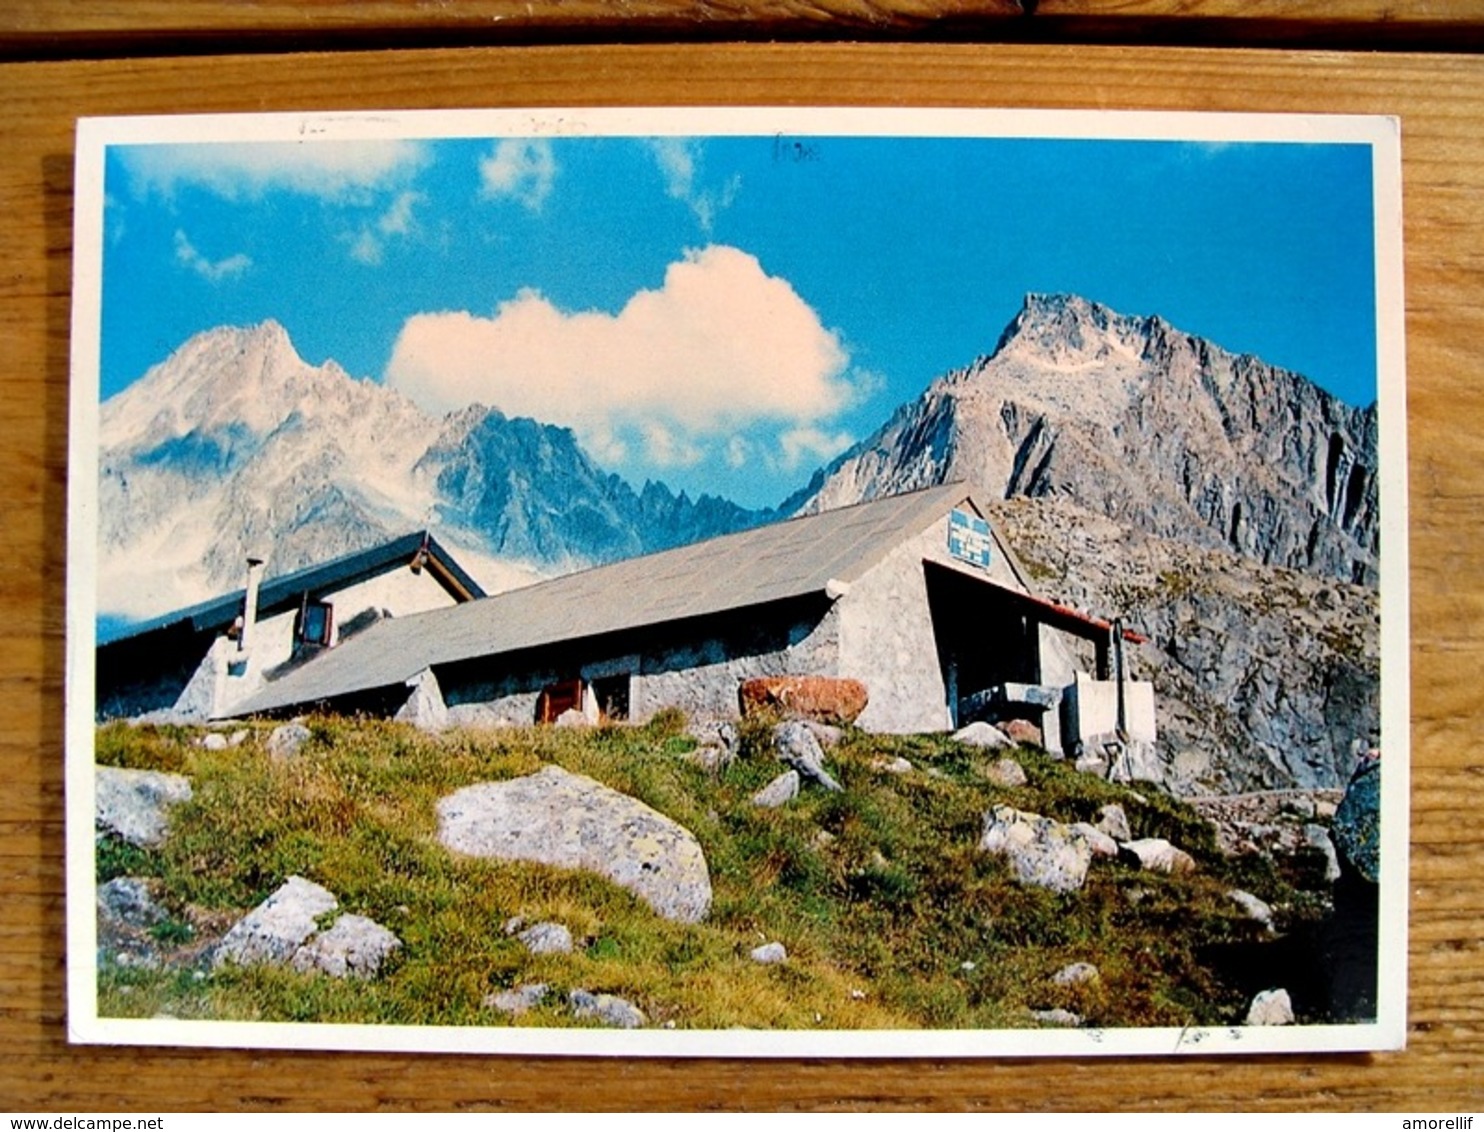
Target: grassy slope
(891, 916)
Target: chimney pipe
(250, 604)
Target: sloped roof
(788, 559)
(284, 591)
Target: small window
(612, 693)
(316, 623)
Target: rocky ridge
(1163, 431)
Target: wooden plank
(72, 28)
(1441, 102)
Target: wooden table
(157, 56)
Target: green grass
(890, 915)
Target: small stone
(1075, 975)
(769, 953)
(1023, 731)
(1318, 839)
(896, 765)
(514, 924)
(572, 718)
(1114, 822)
(1041, 851)
(1254, 909)
(606, 1008)
(1092, 763)
(517, 1000)
(1101, 844)
(213, 741)
(981, 734)
(1159, 856)
(797, 747)
(779, 792)
(828, 734)
(1007, 773)
(238, 737)
(547, 938)
(285, 741)
(128, 901)
(1057, 1017)
(1271, 1008)
(967, 965)
(857, 994)
(353, 947)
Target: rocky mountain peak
(1067, 331)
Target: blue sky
(726, 313)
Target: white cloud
(368, 244)
(679, 160)
(720, 347)
(212, 270)
(811, 444)
(738, 451)
(332, 170)
(523, 168)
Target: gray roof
(792, 558)
(285, 590)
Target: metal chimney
(250, 604)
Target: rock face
(825, 699)
(1136, 420)
(1265, 678)
(1357, 823)
(1041, 852)
(135, 804)
(557, 818)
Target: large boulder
(554, 817)
(353, 947)
(1041, 851)
(274, 930)
(826, 699)
(135, 804)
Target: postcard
(763, 582)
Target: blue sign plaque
(969, 539)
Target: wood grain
(72, 28)
(1441, 101)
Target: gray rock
(797, 747)
(547, 938)
(557, 818)
(781, 791)
(1092, 762)
(1075, 975)
(1101, 844)
(1253, 908)
(424, 708)
(1114, 822)
(1041, 852)
(897, 765)
(1270, 1008)
(285, 740)
(213, 741)
(1316, 837)
(572, 718)
(828, 734)
(769, 953)
(1057, 1017)
(274, 930)
(1357, 821)
(606, 1008)
(135, 804)
(1006, 772)
(128, 902)
(1159, 856)
(238, 737)
(517, 1000)
(981, 734)
(716, 744)
(353, 947)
